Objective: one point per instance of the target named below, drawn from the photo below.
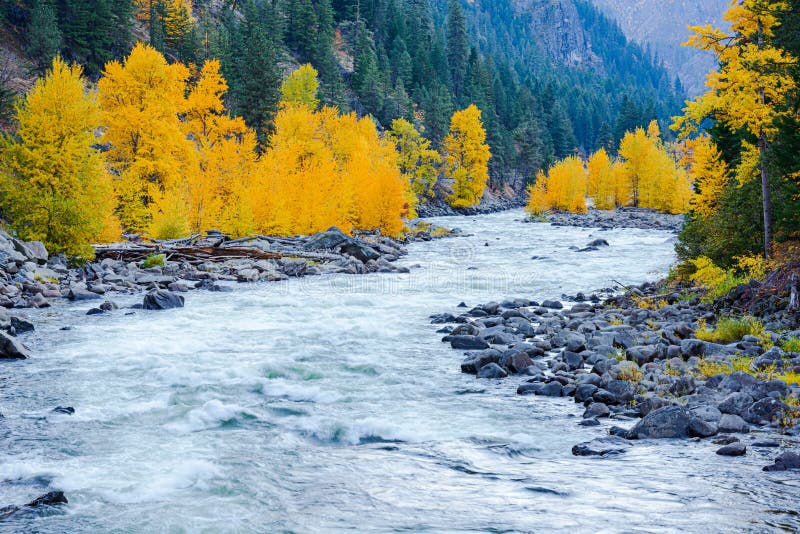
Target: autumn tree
(601, 180)
(220, 194)
(150, 155)
(751, 87)
(563, 187)
(301, 87)
(708, 172)
(53, 184)
(416, 159)
(466, 157)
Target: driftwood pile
(214, 247)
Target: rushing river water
(329, 404)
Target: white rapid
(329, 404)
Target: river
(328, 404)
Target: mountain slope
(663, 25)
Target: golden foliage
(141, 100)
(416, 159)
(53, 184)
(466, 157)
(656, 180)
(562, 188)
(750, 67)
(301, 87)
(703, 161)
(312, 177)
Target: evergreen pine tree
(43, 36)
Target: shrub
(730, 329)
(708, 368)
(791, 345)
(154, 260)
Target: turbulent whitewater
(327, 404)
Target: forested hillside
(549, 77)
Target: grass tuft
(154, 260)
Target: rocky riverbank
(490, 203)
(31, 278)
(620, 218)
(635, 365)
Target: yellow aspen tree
(708, 172)
(416, 159)
(53, 182)
(601, 180)
(141, 100)
(563, 188)
(751, 88)
(301, 87)
(466, 157)
(219, 193)
(622, 184)
(634, 150)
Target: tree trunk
(794, 305)
(766, 200)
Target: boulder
(492, 370)
(765, 411)
(595, 410)
(161, 299)
(734, 449)
(787, 460)
(701, 429)
(519, 362)
(667, 422)
(82, 294)
(736, 403)
(468, 343)
(730, 423)
(11, 349)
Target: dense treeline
(418, 60)
(646, 174)
(747, 164)
(172, 161)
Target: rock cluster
(619, 218)
(625, 362)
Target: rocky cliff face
(558, 26)
(663, 24)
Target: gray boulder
(730, 423)
(667, 422)
(161, 299)
(736, 403)
(11, 349)
(765, 411)
(492, 370)
(787, 460)
(734, 449)
(468, 343)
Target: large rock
(736, 403)
(161, 299)
(334, 238)
(492, 370)
(32, 250)
(734, 449)
(11, 349)
(468, 343)
(787, 460)
(667, 422)
(48, 499)
(733, 423)
(765, 411)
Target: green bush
(154, 260)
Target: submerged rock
(48, 499)
(734, 449)
(605, 446)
